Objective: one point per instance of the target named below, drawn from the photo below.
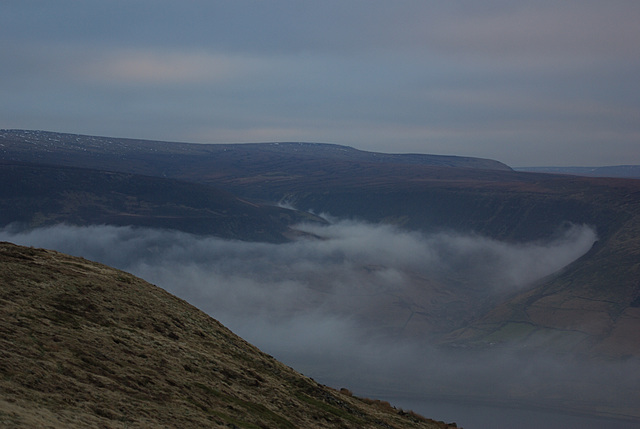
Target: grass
(328, 408)
(85, 345)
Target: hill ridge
(51, 141)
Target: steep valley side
(86, 345)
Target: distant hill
(85, 345)
(624, 171)
(168, 159)
(33, 195)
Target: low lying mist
(357, 305)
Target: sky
(542, 83)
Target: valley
(330, 231)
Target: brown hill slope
(591, 307)
(85, 345)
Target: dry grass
(85, 345)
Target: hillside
(42, 195)
(85, 345)
(590, 307)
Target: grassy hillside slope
(85, 345)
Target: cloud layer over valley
(334, 269)
(352, 303)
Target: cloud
(349, 270)
(166, 67)
(517, 31)
(349, 306)
(500, 28)
(508, 80)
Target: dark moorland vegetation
(85, 345)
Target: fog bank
(346, 304)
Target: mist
(349, 304)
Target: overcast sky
(527, 83)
